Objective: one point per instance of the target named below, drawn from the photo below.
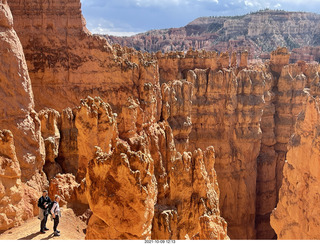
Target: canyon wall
(296, 215)
(63, 58)
(258, 32)
(66, 61)
(248, 114)
(17, 103)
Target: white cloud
(299, 1)
(254, 3)
(148, 3)
(162, 3)
(208, 1)
(103, 26)
(107, 31)
(278, 5)
(248, 3)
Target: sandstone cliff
(149, 149)
(66, 61)
(296, 215)
(248, 115)
(17, 103)
(259, 33)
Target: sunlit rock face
(17, 103)
(159, 146)
(13, 208)
(260, 33)
(296, 214)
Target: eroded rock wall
(248, 114)
(296, 215)
(66, 61)
(176, 198)
(17, 103)
(101, 169)
(227, 109)
(71, 137)
(13, 208)
(259, 32)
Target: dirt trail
(71, 227)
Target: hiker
(56, 214)
(43, 204)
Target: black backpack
(40, 202)
(50, 206)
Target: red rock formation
(17, 109)
(284, 100)
(121, 193)
(231, 104)
(296, 215)
(176, 109)
(86, 126)
(50, 123)
(66, 61)
(278, 59)
(189, 200)
(174, 65)
(13, 210)
(230, 107)
(96, 126)
(308, 54)
(159, 177)
(266, 164)
(143, 165)
(65, 186)
(126, 171)
(259, 33)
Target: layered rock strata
(259, 32)
(176, 109)
(284, 100)
(63, 57)
(17, 103)
(236, 110)
(231, 106)
(296, 215)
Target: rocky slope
(177, 145)
(259, 33)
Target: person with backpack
(43, 203)
(56, 214)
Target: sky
(129, 17)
